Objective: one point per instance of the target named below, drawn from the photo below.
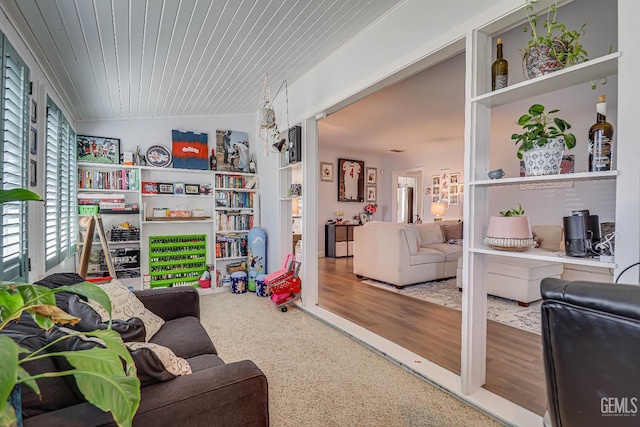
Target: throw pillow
(416, 234)
(452, 231)
(130, 330)
(156, 363)
(430, 233)
(126, 305)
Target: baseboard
(320, 254)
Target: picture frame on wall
(372, 193)
(98, 149)
(33, 140)
(34, 111)
(326, 172)
(351, 180)
(33, 173)
(372, 176)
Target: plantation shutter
(61, 218)
(15, 116)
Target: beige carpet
(320, 377)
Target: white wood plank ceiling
(112, 59)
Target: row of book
(226, 199)
(230, 181)
(234, 221)
(123, 179)
(231, 246)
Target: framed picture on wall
(33, 140)
(326, 172)
(371, 193)
(372, 176)
(98, 149)
(350, 180)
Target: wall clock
(159, 156)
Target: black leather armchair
(590, 335)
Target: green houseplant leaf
(538, 128)
(18, 195)
(106, 376)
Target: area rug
(319, 376)
(445, 292)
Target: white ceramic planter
(544, 160)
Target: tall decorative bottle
(499, 70)
(601, 140)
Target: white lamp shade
(438, 208)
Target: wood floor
(514, 357)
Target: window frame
(14, 160)
(61, 191)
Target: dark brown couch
(215, 394)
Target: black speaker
(295, 144)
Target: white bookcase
(231, 219)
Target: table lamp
(437, 210)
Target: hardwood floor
(515, 368)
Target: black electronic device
(581, 233)
(295, 144)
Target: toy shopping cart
(285, 283)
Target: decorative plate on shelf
(159, 156)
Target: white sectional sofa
(404, 254)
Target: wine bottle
(499, 70)
(600, 139)
(212, 160)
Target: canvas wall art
(232, 151)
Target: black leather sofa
(215, 394)
(590, 335)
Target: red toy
(285, 283)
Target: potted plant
(543, 141)
(510, 231)
(553, 49)
(105, 376)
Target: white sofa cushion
(430, 233)
(426, 256)
(451, 252)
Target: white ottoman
(515, 278)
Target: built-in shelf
(238, 190)
(231, 258)
(105, 190)
(97, 165)
(543, 255)
(246, 210)
(591, 70)
(178, 221)
(292, 166)
(234, 173)
(177, 195)
(194, 171)
(231, 231)
(580, 176)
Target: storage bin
(262, 289)
(239, 282)
(88, 209)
